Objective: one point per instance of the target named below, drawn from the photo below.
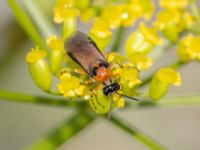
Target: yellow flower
(100, 33)
(164, 18)
(150, 33)
(174, 4)
(57, 53)
(65, 9)
(161, 81)
(88, 14)
(35, 55)
(55, 43)
(173, 26)
(188, 20)
(111, 16)
(142, 40)
(70, 85)
(39, 68)
(114, 57)
(189, 48)
(128, 15)
(169, 75)
(142, 62)
(129, 76)
(118, 101)
(143, 8)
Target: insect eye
(94, 71)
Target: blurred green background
(178, 128)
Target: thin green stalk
(26, 23)
(170, 101)
(137, 134)
(118, 39)
(63, 133)
(175, 65)
(51, 101)
(39, 19)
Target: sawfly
(84, 51)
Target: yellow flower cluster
(65, 9)
(128, 76)
(70, 86)
(174, 18)
(189, 48)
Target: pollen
(35, 54)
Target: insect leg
(110, 111)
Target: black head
(114, 87)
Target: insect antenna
(126, 96)
(110, 111)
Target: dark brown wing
(84, 51)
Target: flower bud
(69, 26)
(57, 52)
(157, 89)
(82, 4)
(161, 81)
(39, 69)
(142, 40)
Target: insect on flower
(83, 50)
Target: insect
(84, 51)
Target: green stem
(63, 133)
(137, 134)
(175, 65)
(25, 98)
(118, 39)
(186, 100)
(26, 23)
(39, 19)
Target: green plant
(188, 50)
